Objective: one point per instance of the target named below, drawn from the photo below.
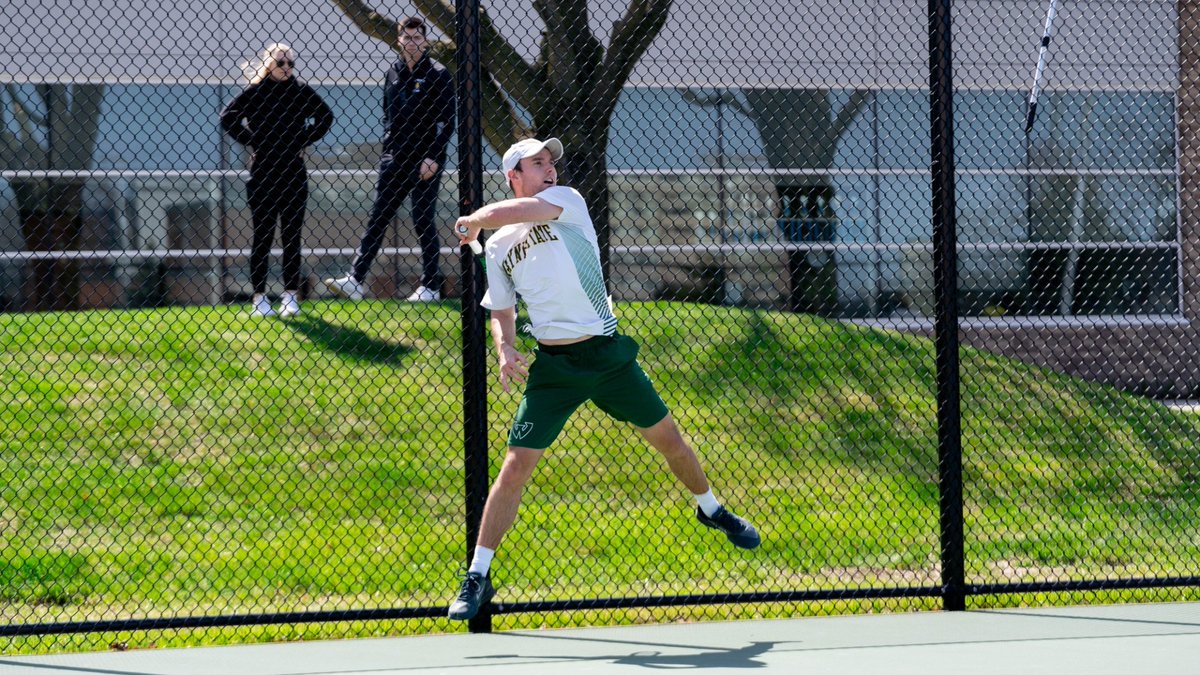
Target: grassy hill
(199, 461)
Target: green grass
(193, 461)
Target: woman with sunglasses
(276, 116)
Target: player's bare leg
(665, 438)
(500, 511)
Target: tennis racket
(1041, 66)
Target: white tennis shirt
(555, 268)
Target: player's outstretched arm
(507, 212)
(513, 364)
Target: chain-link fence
(248, 391)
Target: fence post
(945, 260)
(470, 191)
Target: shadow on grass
(348, 342)
(757, 361)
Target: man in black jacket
(418, 113)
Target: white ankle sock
(482, 560)
(708, 503)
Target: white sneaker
(347, 287)
(260, 305)
(289, 305)
(423, 294)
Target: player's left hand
(513, 366)
(429, 169)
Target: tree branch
(496, 55)
(693, 97)
(8, 139)
(846, 115)
(723, 97)
(501, 125)
(370, 22)
(22, 147)
(738, 105)
(631, 36)
(86, 100)
(24, 111)
(586, 49)
(558, 51)
(61, 151)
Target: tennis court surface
(1151, 638)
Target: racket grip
(1029, 117)
(476, 247)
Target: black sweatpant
(397, 180)
(276, 193)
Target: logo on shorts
(521, 430)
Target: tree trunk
(51, 208)
(587, 171)
(585, 167)
(807, 216)
(799, 129)
(1188, 115)
(50, 212)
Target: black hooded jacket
(418, 111)
(277, 119)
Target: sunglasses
(285, 62)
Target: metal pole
(877, 233)
(941, 126)
(222, 205)
(470, 191)
(723, 217)
(394, 226)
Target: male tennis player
(545, 251)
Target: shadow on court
(716, 657)
(349, 342)
(1159, 638)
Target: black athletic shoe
(740, 533)
(475, 592)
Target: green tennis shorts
(603, 369)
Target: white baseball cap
(530, 147)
